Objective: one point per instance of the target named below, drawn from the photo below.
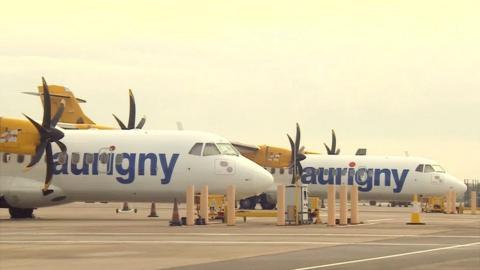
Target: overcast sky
(391, 77)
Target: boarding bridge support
(331, 205)
(231, 205)
(343, 204)
(281, 205)
(190, 207)
(354, 205)
(204, 204)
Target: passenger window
(419, 168)
(103, 158)
(75, 158)
(62, 158)
(89, 158)
(6, 157)
(20, 158)
(272, 170)
(282, 170)
(118, 159)
(428, 168)
(211, 150)
(196, 149)
(290, 170)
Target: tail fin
(73, 114)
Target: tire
(248, 203)
(20, 213)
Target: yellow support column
(354, 205)
(331, 205)
(204, 204)
(473, 202)
(281, 205)
(190, 205)
(343, 204)
(231, 205)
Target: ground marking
(231, 234)
(387, 257)
(211, 242)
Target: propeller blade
(292, 148)
(338, 152)
(62, 146)
(50, 164)
(131, 116)
(46, 105)
(300, 169)
(334, 142)
(297, 139)
(58, 114)
(120, 123)
(141, 123)
(328, 149)
(38, 154)
(39, 127)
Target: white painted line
(232, 234)
(386, 257)
(210, 242)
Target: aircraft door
(103, 158)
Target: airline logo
(365, 178)
(123, 166)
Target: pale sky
(391, 76)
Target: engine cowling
(22, 192)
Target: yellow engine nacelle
(270, 156)
(18, 136)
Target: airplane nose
(458, 186)
(263, 177)
(254, 179)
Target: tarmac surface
(93, 236)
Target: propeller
(333, 149)
(297, 155)
(131, 116)
(48, 135)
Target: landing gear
(373, 203)
(248, 203)
(266, 203)
(19, 213)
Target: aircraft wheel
(18, 213)
(267, 205)
(248, 203)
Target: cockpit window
(428, 168)
(438, 168)
(419, 168)
(211, 150)
(227, 149)
(196, 149)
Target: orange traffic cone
(153, 211)
(175, 216)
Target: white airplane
(383, 178)
(114, 165)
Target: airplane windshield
(227, 149)
(438, 168)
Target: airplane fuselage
(134, 165)
(377, 177)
